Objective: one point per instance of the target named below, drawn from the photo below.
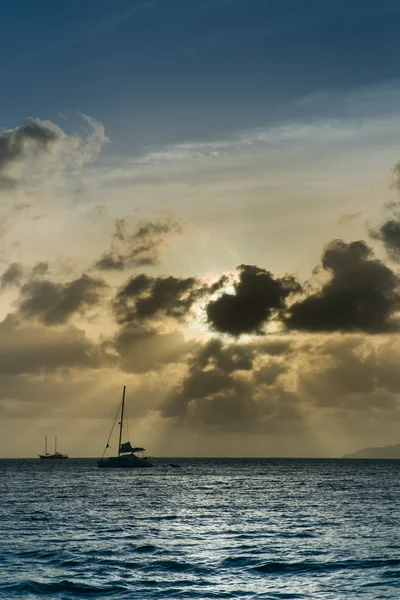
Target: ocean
(211, 528)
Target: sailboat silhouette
(56, 455)
(129, 457)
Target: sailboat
(129, 457)
(56, 455)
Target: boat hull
(51, 457)
(124, 462)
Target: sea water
(208, 528)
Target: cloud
(395, 176)
(146, 308)
(32, 150)
(258, 295)
(144, 298)
(12, 276)
(39, 270)
(210, 372)
(322, 383)
(55, 303)
(66, 394)
(313, 131)
(348, 217)
(362, 294)
(339, 369)
(140, 350)
(389, 235)
(275, 347)
(140, 248)
(389, 232)
(15, 274)
(39, 349)
(351, 375)
(226, 358)
(224, 390)
(17, 145)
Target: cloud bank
(239, 354)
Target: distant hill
(384, 452)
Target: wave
(80, 589)
(176, 566)
(146, 548)
(313, 567)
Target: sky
(200, 201)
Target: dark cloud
(225, 358)
(9, 323)
(55, 303)
(224, 390)
(234, 405)
(32, 138)
(210, 372)
(142, 306)
(144, 298)
(395, 176)
(39, 270)
(258, 295)
(389, 235)
(15, 274)
(230, 410)
(140, 248)
(389, 232)
(12, 276)
(361, 295)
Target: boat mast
(55, 445)
(45, 444)
(122, 421)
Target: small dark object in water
(175, 466)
